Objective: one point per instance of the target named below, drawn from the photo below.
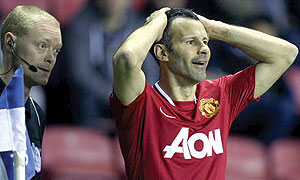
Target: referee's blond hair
(22, 19)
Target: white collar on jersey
(166, 96)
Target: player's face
(40, 48)
(190, 54)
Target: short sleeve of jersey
(127, 116)
(240, 90)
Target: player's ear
(160, 52)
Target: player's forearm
(258, 45)
(136, 47)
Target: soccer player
(30, 37)
(178, 128)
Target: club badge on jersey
(209, 107)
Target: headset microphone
(31, 67)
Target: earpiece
(10, 43)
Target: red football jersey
(162, 139)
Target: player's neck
(177, 91)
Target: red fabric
(150, 125)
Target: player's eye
(205, 42)
(191, 42)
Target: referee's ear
(160, 52)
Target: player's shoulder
(238, 77)
(211, 82)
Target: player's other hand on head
(207, 23)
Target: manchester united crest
(209, 107)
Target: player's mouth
(201, 63)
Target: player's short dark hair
(167, 34)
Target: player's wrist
(159, 25)
(155, 28)
(219, 30)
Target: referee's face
(40, 48)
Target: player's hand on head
(161, 18)
(158, 14)
(207, 23)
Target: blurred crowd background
(78, 90)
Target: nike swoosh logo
(166, 114)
